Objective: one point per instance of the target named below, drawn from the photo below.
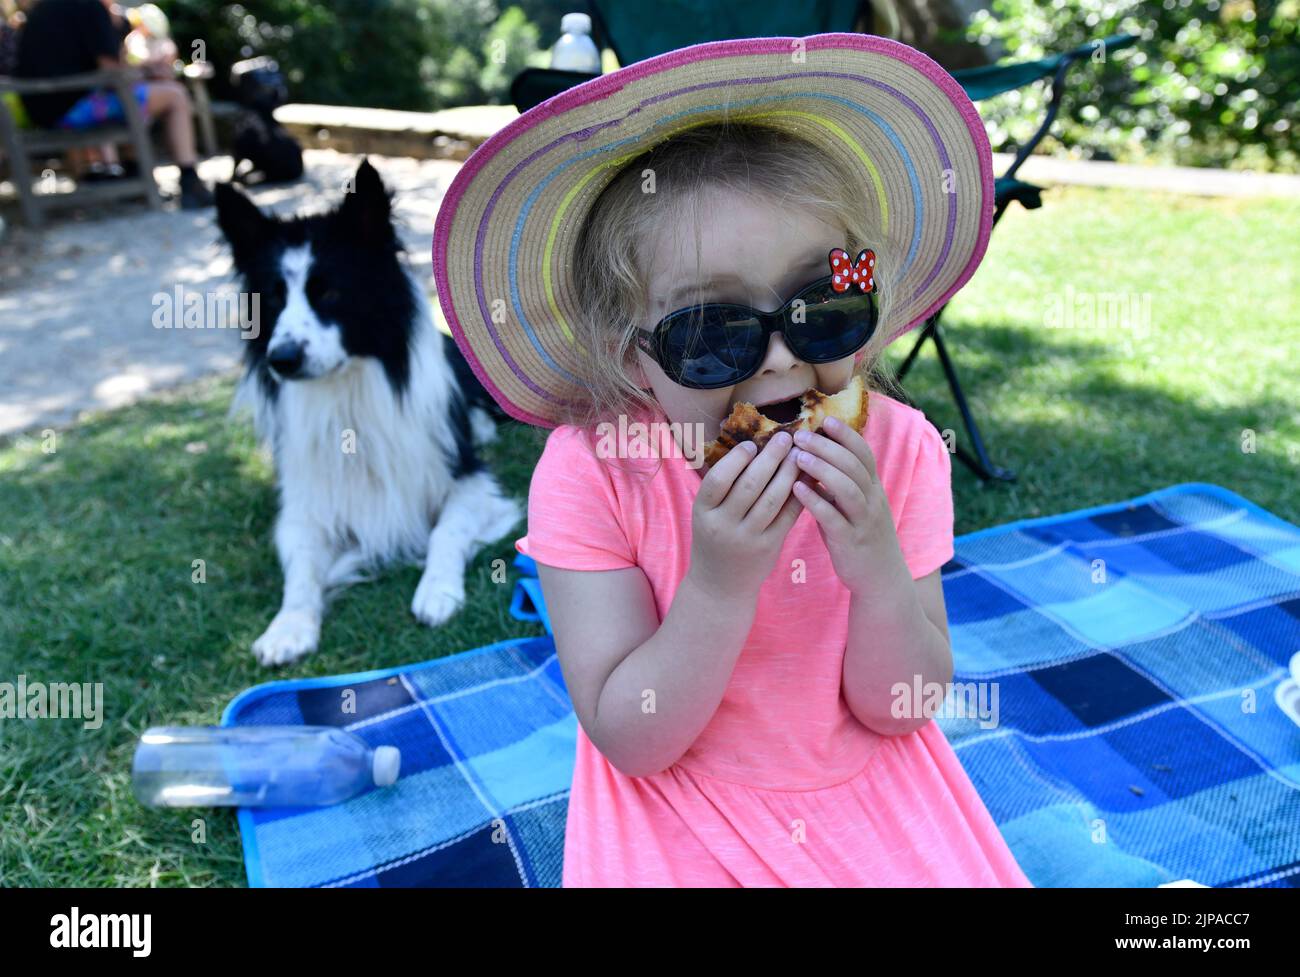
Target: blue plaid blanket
(1134, 649)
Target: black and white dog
(372, 415)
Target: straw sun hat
(506, 234)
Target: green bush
(1211, 83)
(397, 54)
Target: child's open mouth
(783, 411)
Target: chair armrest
(994, 79)
(90, 79)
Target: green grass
(97, 539)
(1093, 415)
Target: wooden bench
(21, 144)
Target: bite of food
(807, 412)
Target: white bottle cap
(575, 24)
(388, 761)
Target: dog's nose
(286, 358)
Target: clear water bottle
(257, 766)
(575, 50)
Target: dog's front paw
(291, 635)
(437, 599)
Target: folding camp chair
(982, 83)
(635, 32)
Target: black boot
(194, 195)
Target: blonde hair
(611, 274)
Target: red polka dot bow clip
(845, 274)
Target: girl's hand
(741, 516)
(850, 506)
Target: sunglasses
(720, 344)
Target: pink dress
(784, 787)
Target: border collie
(371, 414)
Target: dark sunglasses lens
(835, 325)
(711, 347)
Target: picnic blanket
(1120, 662)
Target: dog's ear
(245, 227)
(366, 211)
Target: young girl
(736, 640)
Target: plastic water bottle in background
(575, 50)
(257, 766)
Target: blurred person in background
(149, 45)
(69, 37)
